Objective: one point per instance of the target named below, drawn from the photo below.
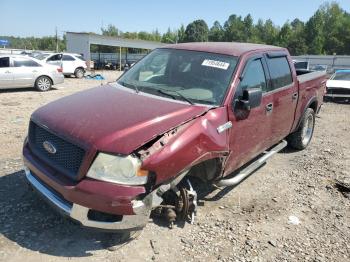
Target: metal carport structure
(80, 43)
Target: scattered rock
(272, 243)
(293, 220)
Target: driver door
(251, 130)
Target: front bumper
(79, 213)
(76, 199)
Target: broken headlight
(117, 169)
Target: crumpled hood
(113, 118)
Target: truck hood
(113, 118)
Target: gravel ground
(289, 210)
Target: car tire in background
(43, 83)
(301, 138)
(79, 72)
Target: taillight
(59, 70)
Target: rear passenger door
(284, 94)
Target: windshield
(342, 76)
(195, 77)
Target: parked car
(24, 71)
(339, 84)
(108, 156)
(303, 65)
(72, 64)
(322, 68)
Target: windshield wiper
(129, 85)
(165, 92)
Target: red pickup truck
(108, 156)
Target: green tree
(248, 29)
(334, 21)
(297, 43)
(197, 31)
(315, 33)
(170, 37)
(111, 30)
(234, 29)
(181, 34)
(216, 33)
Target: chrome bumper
(79, 213)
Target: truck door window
(254, 76)
(4, 62)
(280, 72)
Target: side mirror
(251, 99)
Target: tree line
(326, 32)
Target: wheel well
(207, 170)
(45, 76)
(313, 105)
(80, 67)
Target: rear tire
(301, 138)
(79, 73)
(43, 83)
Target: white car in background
(72, 64)
(339, 84)
(25, 71)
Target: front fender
(199, 140)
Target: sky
(40, 17)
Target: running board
(243, 174)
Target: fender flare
(312, 100)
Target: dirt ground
(252, 222)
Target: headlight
(120, 170)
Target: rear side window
(80, 57)
(254, 76)
(55, 58)
(4, 62)
(18, 62)
(67, 58)
(280, 72)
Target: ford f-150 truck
(108, 156)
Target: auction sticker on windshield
(216, 64)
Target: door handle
(34, 71)
(295, 96)
(269, 107)
(7, 72)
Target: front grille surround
(68, 157)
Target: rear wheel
(79, 73)
(43, 83)
(301, 138)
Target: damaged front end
(194, 149)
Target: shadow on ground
(32, 224)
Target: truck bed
(304, 76)
(312, 87)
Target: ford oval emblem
(49, 147)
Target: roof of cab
(225, 48)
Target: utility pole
(56, 41)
